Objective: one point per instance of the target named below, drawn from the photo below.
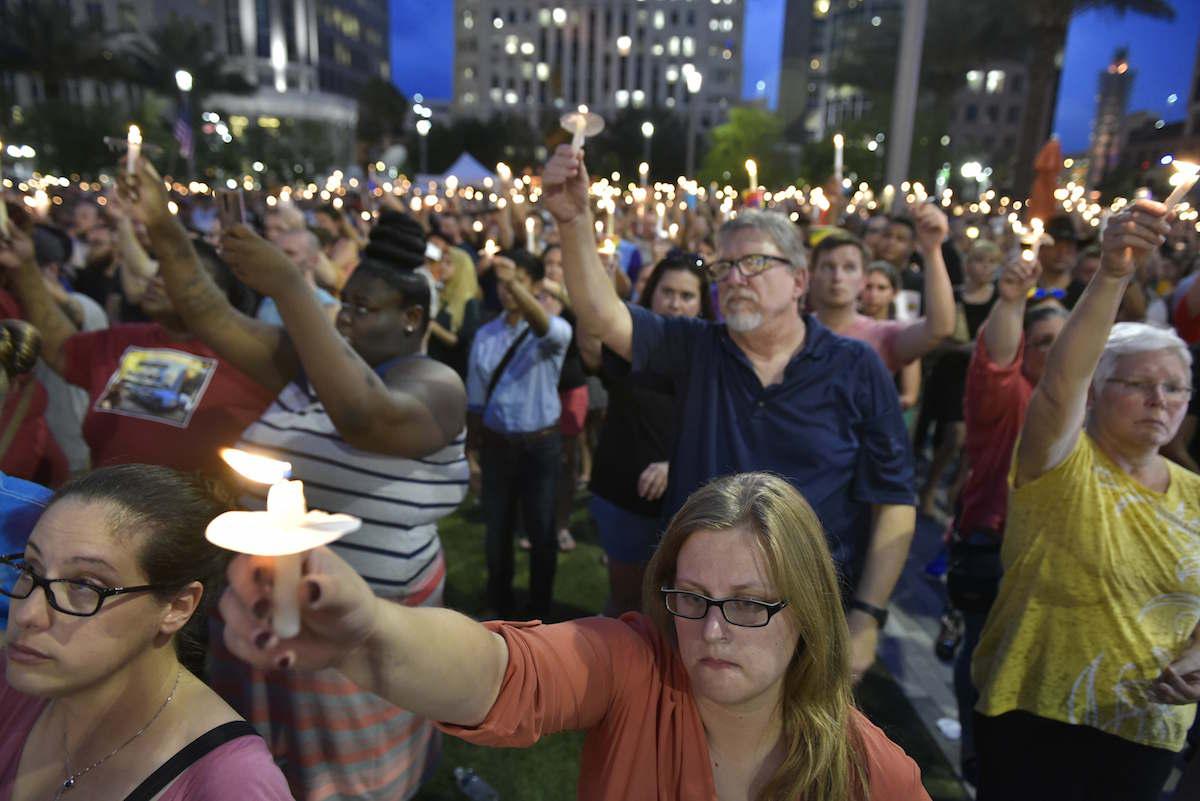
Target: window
(993, 113)
(971, 113)
(1014, 114)
(995, 82)
(1016, 84)
(975, 80)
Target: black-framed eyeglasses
(737, 611)
(69, 596)
(749, 265)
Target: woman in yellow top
(1089, 663)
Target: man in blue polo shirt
(512, 424)
(770, 389)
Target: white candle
(529, 240)
(752, 171)
(839, 143)
(134, 149)
(1185, 177)
(284, 532)
(490, 249)
(580, 132)
(1032, 238)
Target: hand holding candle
(284, 531)
(1184, 179)
(752, 171)
(134, 149)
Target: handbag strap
(18, 417)
(189, 755)
(500, 368)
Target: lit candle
(1184, 179)
(1031, 239)
(529, 240)
(660, 210)
(582, 124)
(752, 171)
(839, 143)
(134, 148)
(644, 173)
(490, 249)
(284, 532)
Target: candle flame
(135, 135)
(583, 109)
(751, 165)
(1186, 167)
(838, 140)
(259, 469)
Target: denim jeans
(520, 471)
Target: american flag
(183, 132)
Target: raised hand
(1132, 236)
(932, 227)
(565, 184)
(259, 264)
(1017, 278)
(143, 194)
(337, 613)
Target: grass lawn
(548, 771)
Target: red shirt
(1186, 323)
(157, 400)
(623, 683)
(994, 407)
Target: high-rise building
(352, 38)
(531, 56)
(1108, 128)
(987, 116)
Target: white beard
(743, 322)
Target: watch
(880, 615)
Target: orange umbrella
(1047, 166)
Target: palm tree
(1048, 21)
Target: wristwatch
(880, 615)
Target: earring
(408, 329)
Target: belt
(497, 438)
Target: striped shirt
(399, 500)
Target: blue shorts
(625, 536)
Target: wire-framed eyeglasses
(737, 611)
(69, 596)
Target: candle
(752, 171)
(1184, 179)
(529, 239)
(3, 207)
(134, 148)
(490, 249)
(839, 143)
(1031, 239)
(581, 123)
(284, 532)
(644, 173)
(502, 170)
(660, 210)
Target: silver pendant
(69, 783)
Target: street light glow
(183, 79)
(647, 129)
(423, 126)
(971, 169)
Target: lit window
(815, 64)
(496, 94)
(660, 19)
(468, 98)
(559, 15)
(672, 74)
(497, 23)
(639, 98)
(820, 8)
(876, 21)
(995, 81)
(469, 72)
(689, 46)
(468, 20)
(510, 97)
(975, 80)
(544, 17)
(657, 49)
(543, 71)
(714, 25)
(527, 48)
(622, 98)
(673, 45)
(727, 54)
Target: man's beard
(743, 322)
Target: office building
(1108, 127)
(542, 58)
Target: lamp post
(183, 80)
(423, 126)
(694, 81)
(648, 134)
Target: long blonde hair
(824, 758)
(462, 287)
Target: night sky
(1161, 53)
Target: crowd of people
(750, 393)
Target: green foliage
(621, 146)
(751, 132)
(382, 115)
(46, 38)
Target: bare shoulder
(435, 386)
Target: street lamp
(694, 81)
(648, 133)
(423, 126)
(183, 80)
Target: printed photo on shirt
(157, 384)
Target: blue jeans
(520, 471)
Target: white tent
(467, 169)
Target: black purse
(973, 576)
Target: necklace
(72, 778)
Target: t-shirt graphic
(157, 384)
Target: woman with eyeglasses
(375, 429)
(735, 683)
(98, 701)
(632, 459)
(1088, 666)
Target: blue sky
(1161, 53)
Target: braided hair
(395, 254)
(20, 344)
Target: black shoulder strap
(500, 368)
(188, 756)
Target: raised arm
(1059, 404)
(938, 323)
(598, 309)
(416, 410)
(259, 350)
(41, 309)
(531, 310)
(1005, 323)
(435, 663)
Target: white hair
(1127, 339)
(772, 224)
